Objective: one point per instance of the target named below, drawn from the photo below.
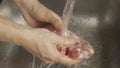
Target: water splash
(33, 62)
(10, 51)
(50, 65)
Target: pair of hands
(42, 42)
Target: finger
(43, 59)
(60, 58)
(39, 56)
(56, 21)
(67, 61)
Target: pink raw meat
(80, 49)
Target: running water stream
(67, 13)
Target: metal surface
(96, 20)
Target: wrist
(20, 37)
(14, 36)
(12, 32)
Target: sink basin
(96, 20)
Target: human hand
(43, 44)
(37, 15)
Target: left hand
(44, 45)
(37, 15)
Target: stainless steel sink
(96, 20)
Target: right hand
(43, 44)
(37, 15)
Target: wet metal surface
(96, 20)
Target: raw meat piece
(79, 49)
